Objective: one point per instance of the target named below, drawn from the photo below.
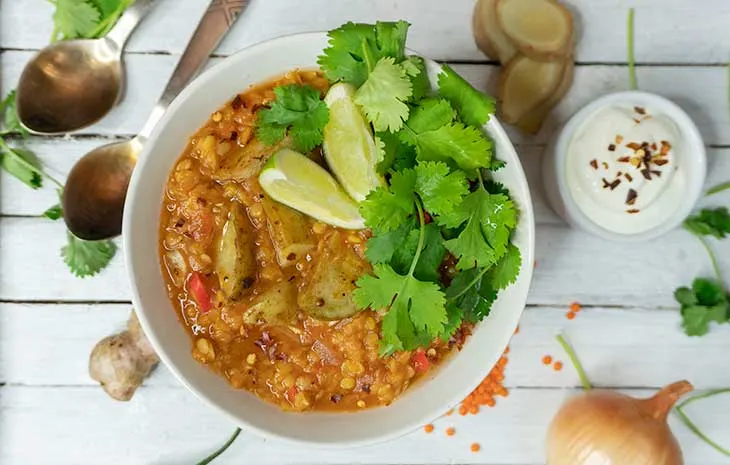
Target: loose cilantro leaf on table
(383, 95)
(710, 222)
(87, 258)
(22, 164)
(10, 120)
(704, 303)
(85, 19)
(297, 109)
(474, 107)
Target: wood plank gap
(65, 302)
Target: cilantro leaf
(387, 208)
(704, 303)
(11, 121)
(496, 165)
(75, 19)
(21, 163)
(383, 95)
(472, 293)
(416, 69)
(474, 107)
(429, 115)
(506, 270)
(490, 219)
(298, 108)
(54, 213)
(87, 258)
(381, 247)
(397, 155)
(454, 318)
(423, 302)
(440, 190)
(465, 145)
(391, 38)
(345, 57)
(709, 222)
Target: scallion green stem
(576, 363)
(630, 42)
(718, 188)
(694, 428)
(223, 448)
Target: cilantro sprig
(297, 110)
(435, 156)
(85, 19)
(707, 300)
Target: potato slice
(327, 286)
(235, 262)
(524, 84)
(244, 162)
(290, 232)
(489, 35)
(532, 121)
(540, 29)
(275, 305)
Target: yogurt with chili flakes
(622, 170)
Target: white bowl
(692, 153)
(420, 404)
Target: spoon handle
(216, 21)
(128, 22)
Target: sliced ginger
(122, 361)
(489, 35)
(541, 29)
(524, 84)
(532, 121)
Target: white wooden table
(627, 335)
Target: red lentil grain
(428, 428)
(450, 431)
(547, 360)
(557, 366)
(475, 447)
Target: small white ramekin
(554, 165)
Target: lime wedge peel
(296, 181)
(348, 146)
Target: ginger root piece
(524, 84)
(121, 362)
(540, 29)
(532, 121)
(488, 34)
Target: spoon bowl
(93, 200)
(70, 85)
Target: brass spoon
(93, 199)
(72, 84)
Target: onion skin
(609, 428)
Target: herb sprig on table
(707, 300)
(438, 199)
(85, 19)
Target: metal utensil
(72, 84)
(93, 199)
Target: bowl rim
(527, 223)
(697, 170)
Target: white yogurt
(624, 168)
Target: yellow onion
(608, 428)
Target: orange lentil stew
(255, 321)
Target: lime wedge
(349, 147)
(296, 181)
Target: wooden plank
(571, 265)
(700, 90)
(168, 426)
(50, 345)
(441, 30)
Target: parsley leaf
(709, 222)
(87, 258)
(386, 208)
(298, 108)
(474, 107)
(490, 219)
(704, 303)
(383, 95)
(75, 19)
(440, 190)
